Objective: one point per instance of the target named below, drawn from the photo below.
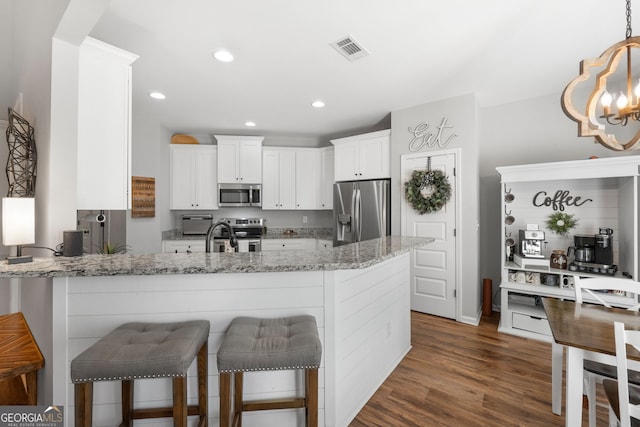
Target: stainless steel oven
(248, 232)
(238, 195)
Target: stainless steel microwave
(234, 195)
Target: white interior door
(433, 266)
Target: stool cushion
(254, 344)
(142, 350)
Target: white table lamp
(18, 225)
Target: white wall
(150, 158)
(460, 113)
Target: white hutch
(599, 193)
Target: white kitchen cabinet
(288, 245)
(362, 156)
(239, 159)
(278, 179)
(193, 177)
(600, 193)
(307, 178)
(183, 246)
(104, 126)
(291, 178)
(327, 178)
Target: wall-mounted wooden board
(143, 197)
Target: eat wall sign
(423, 136)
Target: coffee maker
(604, 246)
(593, 253)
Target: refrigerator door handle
(358, 215)
(355, 220)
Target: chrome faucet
(232, 236)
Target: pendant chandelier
(612, 77)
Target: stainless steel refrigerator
(361, 211)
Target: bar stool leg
(84, 404)
(180, 402)
(203, 387)
(127, 403)
(225, 398)
(311, 396)
(238, 384)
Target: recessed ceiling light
(157, 95)
(318, 104)
(223, 55)
(249, 124)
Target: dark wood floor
(462, 375)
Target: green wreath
(437, 187)
(561, 223)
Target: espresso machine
(593, 253)
(531, 243)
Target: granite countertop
(272, 233)
(346, 257)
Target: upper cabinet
(193, 177)
(104, 126)
(239, 159)
(326, 178)
(362, 156)
(291, 178)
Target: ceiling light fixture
(317, 104)
(223, 55)
(249, 124)
(610, 83)
(157, 95)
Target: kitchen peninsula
(359, 294)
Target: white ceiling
(420, 51)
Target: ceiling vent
(349, 48)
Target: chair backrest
(589, 284)
(624, 337)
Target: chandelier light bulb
(606, 99)
(621, 102)
(636, 91)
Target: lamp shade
(18, 221)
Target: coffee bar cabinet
(595, 195)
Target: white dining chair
(594, 288)
(623, 397)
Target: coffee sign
(559, 200)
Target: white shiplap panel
(168, 282)
(368, 331)
(193, 301)
(98, 325)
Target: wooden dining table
(586, 332)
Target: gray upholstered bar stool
(145, 350)
(254, 344)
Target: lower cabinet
(521, 296)
(288, 245)
(182, 246)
